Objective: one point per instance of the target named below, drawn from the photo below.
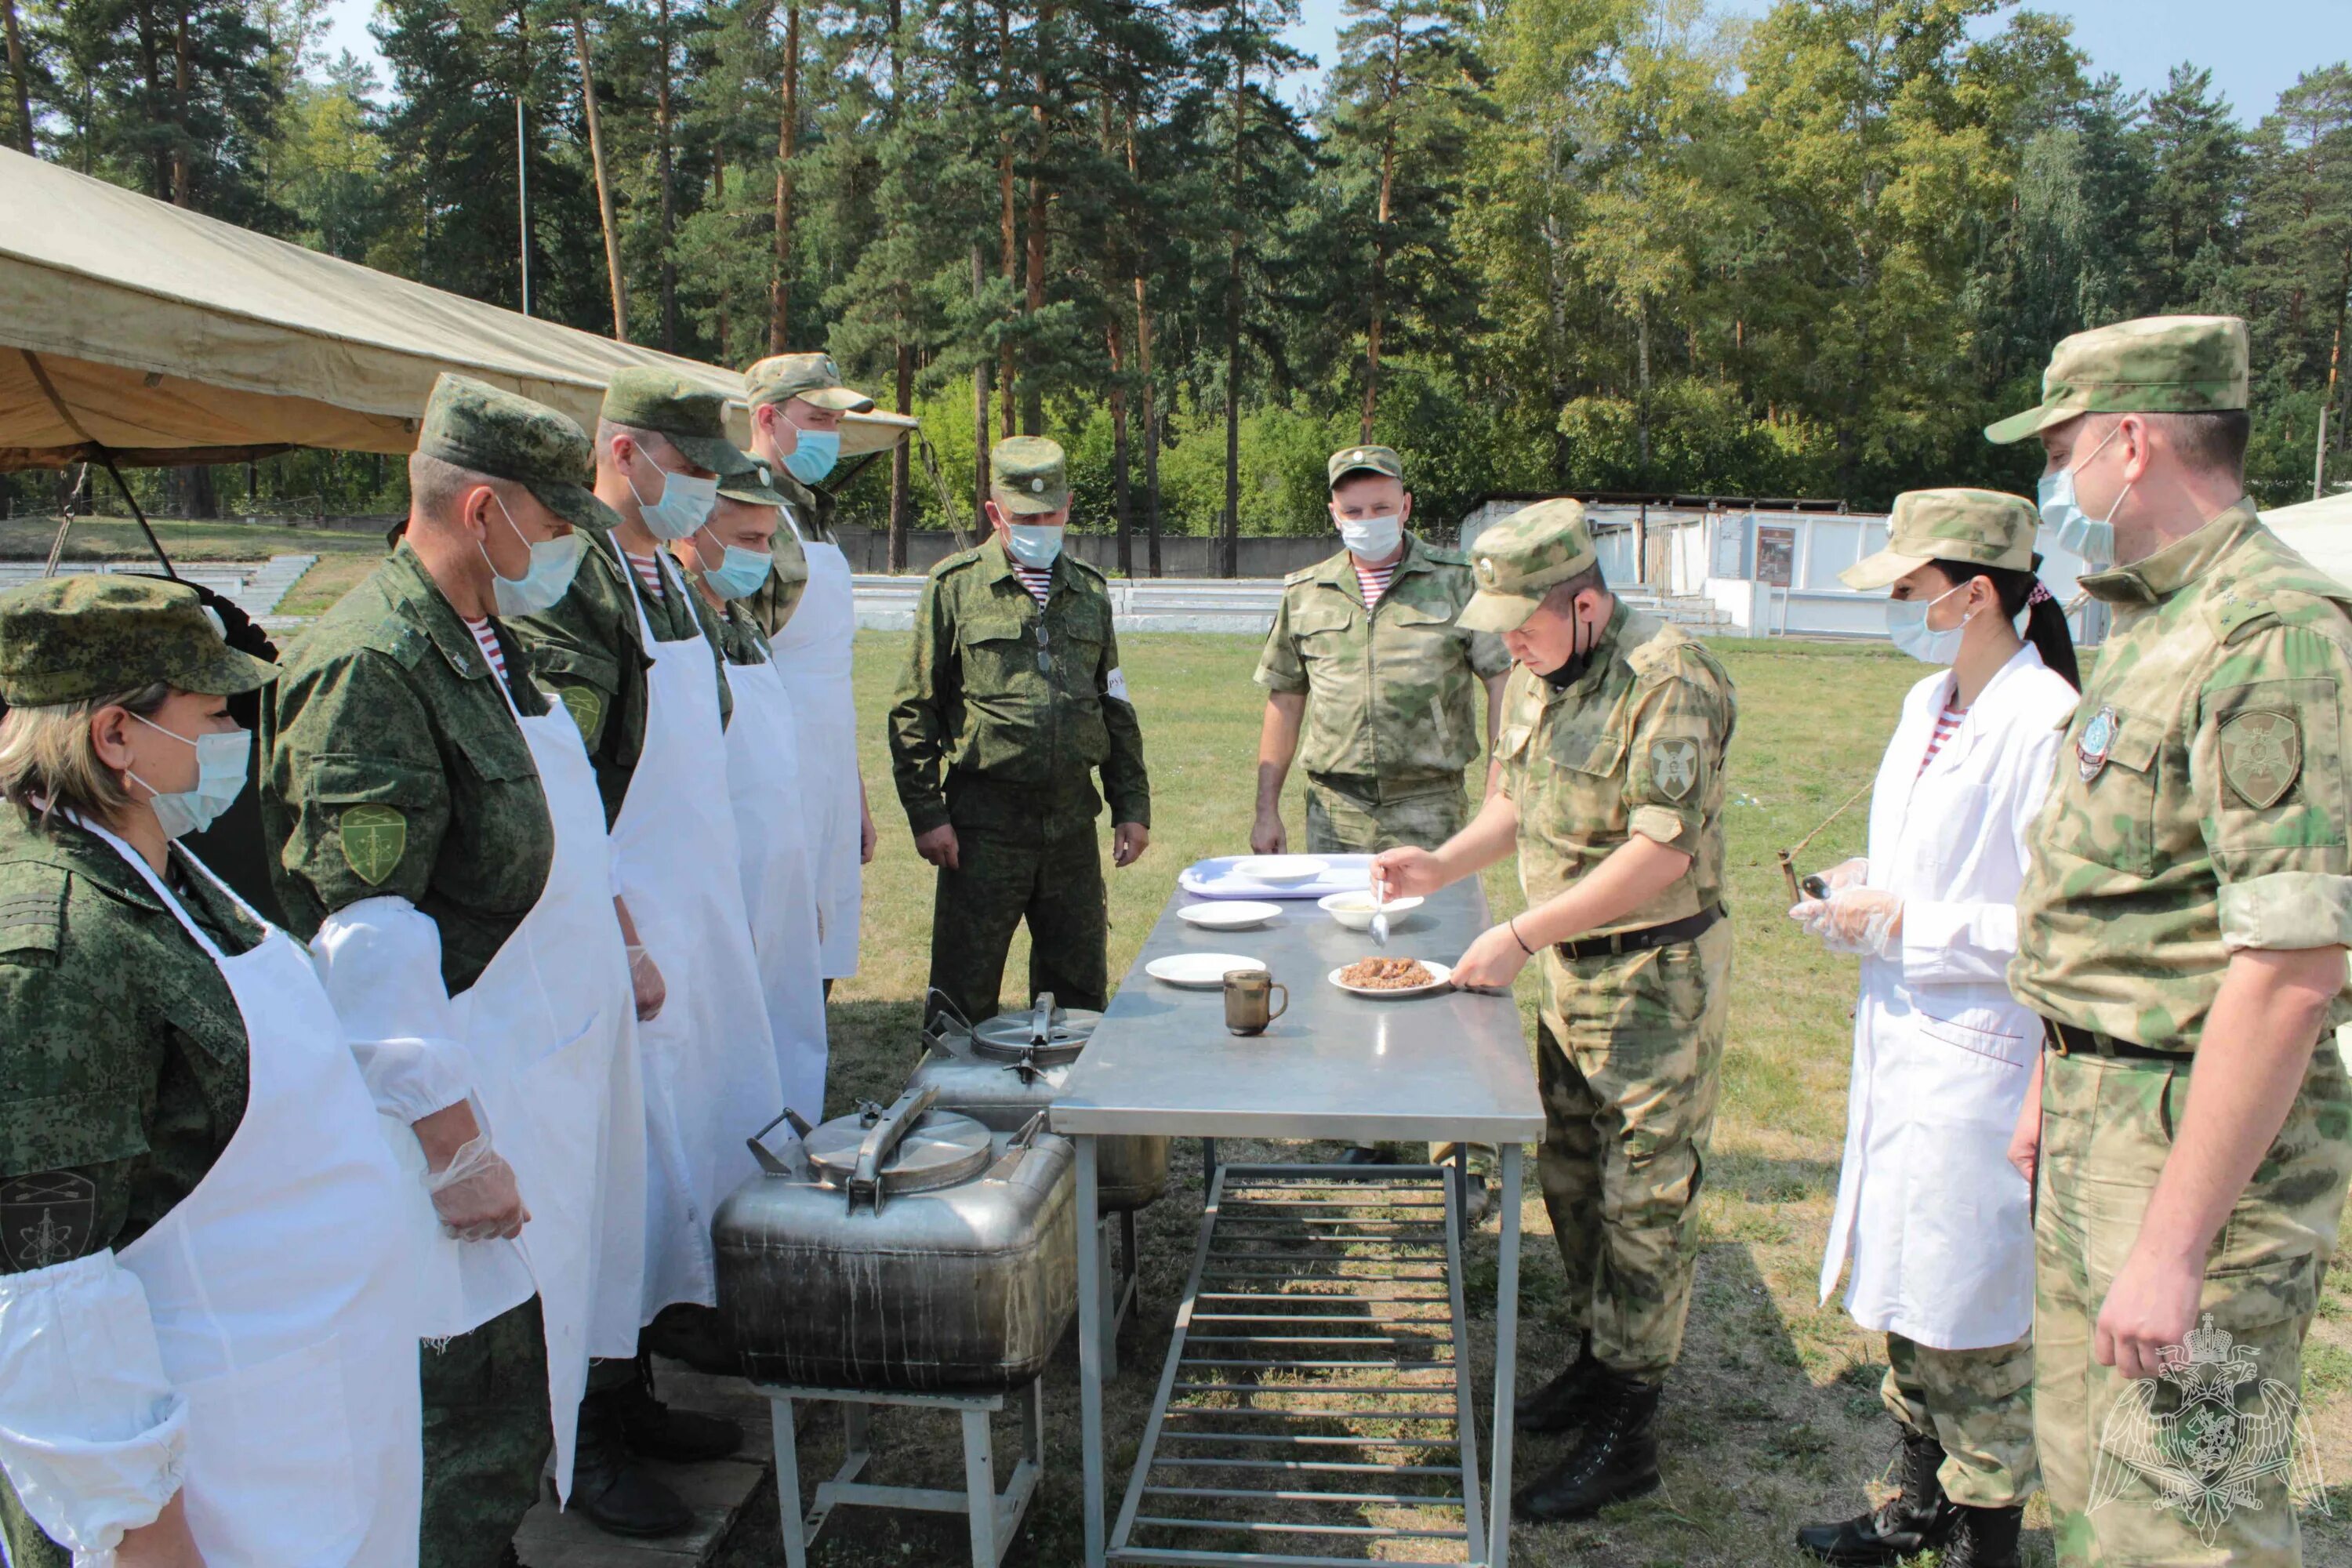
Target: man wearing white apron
(443, 850)
(726, 560)
(207, 1321)
(632, 653)
(797, 402)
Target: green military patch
(375, 837)
(2261, 755)
(586, 705)
(1674, 767)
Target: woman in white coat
(1932, 1224)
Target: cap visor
(1490, 612)
(1881, 570)
(1030, 505)
(2032, 422)
(748, 487)
(1344, 475)
(840, 399)
(228, 674)
(577, 505)
(720, 458)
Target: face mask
(739, 572)
(1034, 545)
(221, 762)
(813, 457)
(1371, 537)
(2092, 539)
(1907, 623)
(683, 506)
(553, 564)
(1581, 641)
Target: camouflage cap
(693, 417)
(1519, 560)
(69, 639)
(810, 377)
(1364, 460)
(1976, 528)
(2156, 365)
(756, 486)
(1027, 476)
(492, 431)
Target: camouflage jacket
(1393, 692)
(742, 639)
(2202, 800)
(123, 1055)
(1635, 744)
(997, 688)
(387, 704)
(588, 651)
(812, 515)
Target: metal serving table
(1287, 1251)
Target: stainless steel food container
(1006, 1070)
(906, 1249)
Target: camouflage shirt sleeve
(1488, 656)
(919, 710)
(2267, 761)
(1279, 667)
(1127, 787)
(1671, 749)
(351, 734)
(776, 600)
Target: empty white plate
(1198, 971)
(1229, 914)
(1280, 868)
(1440, 976)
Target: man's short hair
(2214, 442)
(1555, 597)
(437, 484)
(653, 441)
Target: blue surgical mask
(1907, 623)
(684, 505)
(2092, 539)
(1034, 545)
(739, 572)
(222, 758)
(814, 456)
(553, 563)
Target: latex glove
(475, 1196)
(1851, 873)
(646, 983)
(1854, 920)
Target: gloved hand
(1849, 873)
(475, 1196)
(1852, 920)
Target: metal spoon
(1379, 915)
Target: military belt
(1372, 790)
(1639, 941)
(2069, 1041)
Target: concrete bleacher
(255, 586)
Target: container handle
(941, 1019)
(882, 1140)
(1017, 1151)
(793, 1162)
(1041, 1019)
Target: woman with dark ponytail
(1931, 1230)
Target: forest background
(1536, 245)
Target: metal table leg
(1091, 1352)
(1507, 1354)
(782, 1417)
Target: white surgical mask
(2092, 539)
(222, 758)
(1371, 537)
(684, 505)
(1907, 623)
(553, 563)
(1033, 544)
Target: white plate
(1443, 973)
(1359, 917)
(1229, 914)
(1280, 868)
(1198, 971)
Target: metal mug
(1248, 995)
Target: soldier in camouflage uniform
(1011, 701)
(797, 402)
(2183, 930)
(1616, 727)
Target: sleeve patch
(1115, 685)
(1674, 767)
(374, 838)
(2261, 753)
(47, 1219)
(586, 706)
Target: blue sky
(2254, 48)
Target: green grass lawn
(344, 558)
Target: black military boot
(1617, 1459)
(1913, 1521)
(1563, 1404)
(614, 1490)
(659, 1431)
(1982, 1537)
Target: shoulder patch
(2261, 753)
(586, 704)
(374, 838)
(47, 1219)
(32, 908)
(1674, 766)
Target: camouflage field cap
(1518, 560)
(693, 417)
(810, 377)
(1978, 528)
(756, 486)
(1364, 460)
(502, 433)
(69, 639)
(1027, 475)
(2156, 365)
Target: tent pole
(130, 500)
(98, 449)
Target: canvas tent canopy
(2320, 531)
(135, 330)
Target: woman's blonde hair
(48, 764)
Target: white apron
(710, 1062)
(764, 780)
(814, 652)
(284, 1303)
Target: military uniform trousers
(487, 1438)
(1629, 1057)
(1347, 815)
(2107, 1127)
(1978, 1405)
(1022, 857)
